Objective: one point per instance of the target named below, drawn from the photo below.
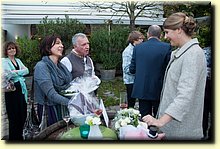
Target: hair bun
(189, 25)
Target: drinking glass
(66, 116)
(123, 100)
(98, 112)
(84, 131)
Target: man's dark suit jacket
(149, 63)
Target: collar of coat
(185, 47)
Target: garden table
(55, 131)
(74, 134)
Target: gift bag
(84, 102)
(130, 132)
(80, 106)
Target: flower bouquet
(128, 126)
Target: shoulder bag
(31, 126)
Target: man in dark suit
(149, 63)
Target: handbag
(44, 119)
(7, 83)
(10, 87)
(31, 126)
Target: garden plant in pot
(110, 60)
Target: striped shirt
(128, 78)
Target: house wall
(18, 16)
(16, 30)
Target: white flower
(96, 121)
(123, 123)
(136, 112)
(117, 125)
(126, 117)
(128, 120)
(90, 120)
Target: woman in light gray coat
(182, 97)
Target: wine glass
(123, 100)
(66, 116)
(98, 112)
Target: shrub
(30, 53)
(65, 28)
(107, 46)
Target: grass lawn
(109, 91)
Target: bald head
(154, 31)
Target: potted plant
(109, 60)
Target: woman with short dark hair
(50, 78)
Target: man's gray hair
(75, 37)
(154, 30)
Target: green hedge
(65, 28)
(30, 53)
(107, 46)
